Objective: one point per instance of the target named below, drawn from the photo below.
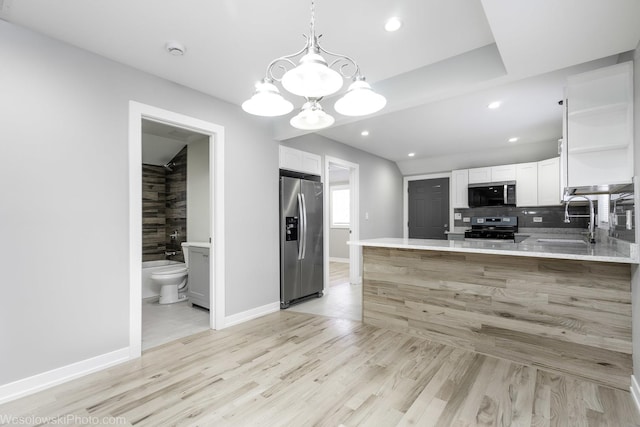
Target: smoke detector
(175, 48)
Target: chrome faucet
(174, 235)
(567, 217)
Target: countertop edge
(489, 251)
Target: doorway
(342, 282)
(214, 134)
(175, 217)
(428, 208)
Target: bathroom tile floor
(167, 322)
(342, 300)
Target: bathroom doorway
(176, 190)
(175, 216)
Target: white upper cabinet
(599, 126)
(537, 183)
(527, 184)
(549, 182)
(503, 173)
(479, 175)
(460, 188)
(300, 161)
(492, 174)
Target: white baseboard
(343, 260)
(61, 375)
(244, 316)
(635, 392)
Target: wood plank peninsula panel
(564, 316)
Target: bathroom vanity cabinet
(198, 291)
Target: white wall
(380, 184)
(64, 209)
(198, 200)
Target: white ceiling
(438, 72)
(161, 142)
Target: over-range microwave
(492, 194)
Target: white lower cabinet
(527, 184)
(198, 290)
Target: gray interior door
(289, 265)
(428, 208)
(311, 269)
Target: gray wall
(65, 201)
(198, 191)
(635, 270)
(338, 247)
(380, 184)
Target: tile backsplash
(549, 216)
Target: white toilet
(172, 280)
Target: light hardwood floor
(338, 273)
(293, 369)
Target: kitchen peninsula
(561, 307)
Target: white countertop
(603, 251)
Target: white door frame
(405, 198)
(354, 192)
(137, 112)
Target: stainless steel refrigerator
(301, 251)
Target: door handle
(304, 231)
(300, 226)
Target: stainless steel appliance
(497, 229)
(492, 194)
(301, 251)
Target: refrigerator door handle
(300, 227)
(304, 230)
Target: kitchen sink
(564, 241)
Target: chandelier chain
(313, 19)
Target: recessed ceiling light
(411, 154)
(494, 105)
(393, 24)
(514, 139)
(364, 133)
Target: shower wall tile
(153, 212)
(164, 209)
(176, 204)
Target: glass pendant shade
(311, 117)
(312, 78)
(267, 101)
(360, 100)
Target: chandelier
(313, 78)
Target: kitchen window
(339, 204)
